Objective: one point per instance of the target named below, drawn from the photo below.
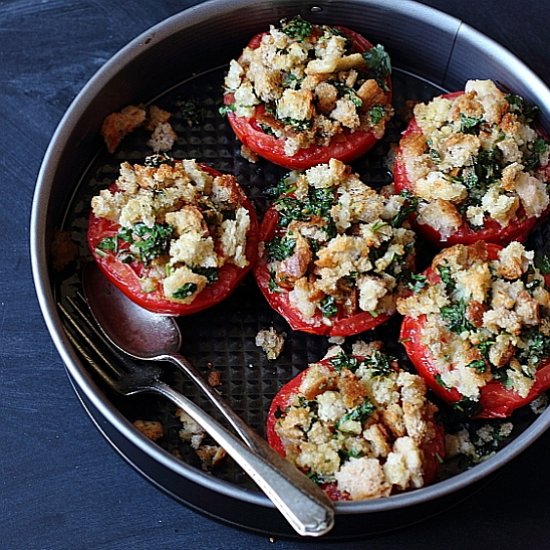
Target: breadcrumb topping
(476, 157)
(340, 246)
(485, 319)
(313, 84)
(360, 423)
(179, 223)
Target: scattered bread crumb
(209, 455)
(248, 154)
(162, 138)
(271, 342)
(64, 250)
(156, 116)
(152, 429)
(214, 378)
(117, 126)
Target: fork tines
(88, 340)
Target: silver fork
(307, 511)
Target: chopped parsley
(290, 80)
(296, 28)
(191, 111)
(519, 106)
(478, 365)
(317, 203)
(350, 93)
(501, 375)
(283, 186)
(542, 262)
(224, 110)
(379, 362)
(299, 125)
(417, 282)
(484, 348)
(446, 277)
(376, 114)
(408, 207)
(184, 291)
(272, 284)
(146, 243)
(328, 306)
(344, 361)
(378, 62)
(211, 273)
(357, 414)
(151, 242)
(108, 244)
(470, 124)
(455, 317)
(537, 349)
(531, 158)
(280, 248)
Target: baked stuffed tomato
(478, 330)
(477, 166)
(175, 236)
(302, 94)
(334, 253)
(359, 426)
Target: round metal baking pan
(181, 58)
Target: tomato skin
(495, 400)
(491, 231)
(433, 449)
(345, 146)
(125, 276)
(340, 324)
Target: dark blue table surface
(61, 484)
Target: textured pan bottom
(223, 338)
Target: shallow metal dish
(185, 55)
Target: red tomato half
(339, 325)
(126, 275)
(434, 449)
(491, 231)
(495, 400)
(346, 146)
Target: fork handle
(304, 505)
(247, 434)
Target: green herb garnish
(479, 365)
(184, 291)
(417, 282)
(379, 362)
(344, 361)
(211, 273)
(296, 28)
(376, 114)
(151, 242)
(408, 207)
(446, 277)
(280, 248)
(469, 124)
(328, 306)
(378, 62)
(455, 317)
(357, 414)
